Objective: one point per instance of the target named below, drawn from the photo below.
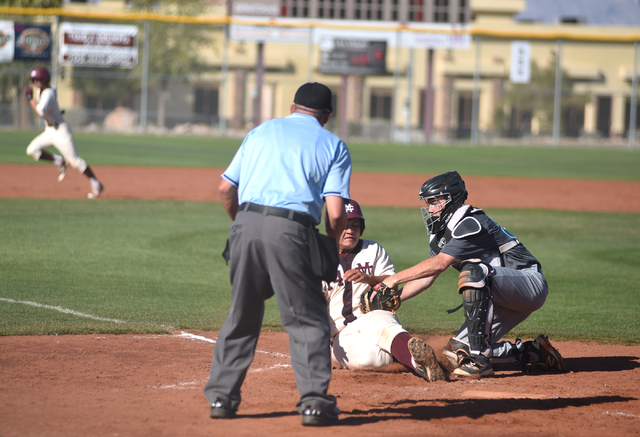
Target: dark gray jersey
(472, 234)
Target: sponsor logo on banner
(32, 42)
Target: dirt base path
(39, 181)
(136, 385)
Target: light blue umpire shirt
(291, 162)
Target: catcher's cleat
(62, 170)
(219, 411)
(427, 365)
(455, 351)
(474, 366)
(311, 417)
(96, 190)
(540, 354)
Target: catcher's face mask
(432, 213)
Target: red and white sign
(103, 45)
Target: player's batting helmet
(354, 211)
(40, 73)
(452, 187)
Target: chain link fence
(191, 80)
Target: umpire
(274, 190)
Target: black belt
(303, 219)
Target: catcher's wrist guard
(386, 299)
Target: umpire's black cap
(315, 96)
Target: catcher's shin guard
(473, 284)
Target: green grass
(185, 151)
(156, 266)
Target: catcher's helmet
(40, 73)
(354, 211)
(452, 187)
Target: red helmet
(354, 211)
(40, 73)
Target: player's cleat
(474, 366)
(219, 411)
(62, 170)
(311, 417)
(427, 365)
(455, 351)
(540, 354)
(96, 190)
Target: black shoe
(219, 411)
(311, 417)
(474, 366)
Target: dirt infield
(137, 385)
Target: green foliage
(174, 50)
(536, 99)
(155, 266)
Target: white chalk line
(63, 310)
(183, 334)
(621, 414)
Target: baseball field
(109, 308)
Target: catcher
(365, 333)
(500, 282)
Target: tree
(535, 100)
(173, 51)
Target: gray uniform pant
(271, 255)
(516, 294)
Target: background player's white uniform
(56, 133)
(364, 341)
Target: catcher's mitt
(386, 299)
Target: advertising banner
(33, 43)
(290, 35)
(24, 42)
(98, 45)
(352, 56)
(7, 38)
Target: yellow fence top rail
(579, 34)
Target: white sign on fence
(239, 32)
(520, 62)
(98, 45)
(7, 44)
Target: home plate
(500, 395)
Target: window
(380, 104)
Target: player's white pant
(62, 139)
(366, 342)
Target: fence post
(394, 100)
(54, 52)
(634, 98)
(557, 96)
(145, 80)
(224, 83)
(407, 108)
(476, 94)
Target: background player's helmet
(450, 185)
(40, 73)
(354, 211)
